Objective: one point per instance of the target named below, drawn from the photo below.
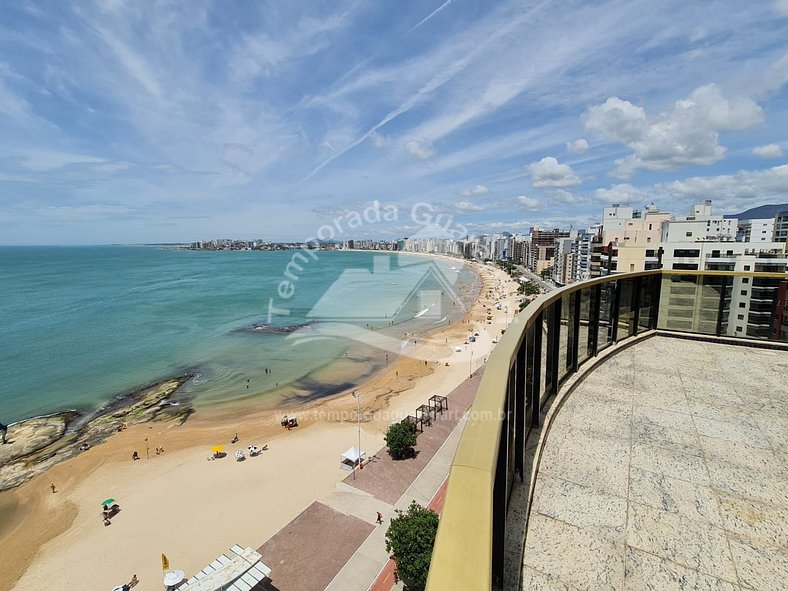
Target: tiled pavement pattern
(334, 544)
(388, 479)
(306, 553)
(667, 468)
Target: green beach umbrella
(108, 502)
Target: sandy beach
(191, 508)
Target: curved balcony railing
(554, 336)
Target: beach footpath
(344, 521)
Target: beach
(191, 508)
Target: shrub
(400, 439)
(410, 539)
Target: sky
(138, 122)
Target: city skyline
(131, 123)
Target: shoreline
(36, 444)
(390, 393)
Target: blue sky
(180, 121)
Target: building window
(631, 266)
(744, 292)
(648, 239)
(649, 226)
(741, 304)
(745, 280)
(746, 267)
(740, 316)
(686, 252)
(689, 234)
(738, 329)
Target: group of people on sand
(289, 423)
(108, 512)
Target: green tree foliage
(410, 539)
(400, 439)
(528, 288)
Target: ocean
(81, 325)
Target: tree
(400, 439)
(410, 539)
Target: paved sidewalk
(335, 541)
(365, 566)
(386, 580)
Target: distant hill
(761, 212)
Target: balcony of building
(620, 440)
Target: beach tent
(350, 459)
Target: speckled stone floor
(667, 468)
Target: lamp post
(357, 396)
(470, 364)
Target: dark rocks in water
(34, 445)
(271, 329)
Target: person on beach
(135, 456)
(52, 486)
(134, 580)
(3, 432)
(234, 439)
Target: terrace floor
(666, 468)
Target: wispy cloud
(250, 119)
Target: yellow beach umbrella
(217, 448)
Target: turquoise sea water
(81, 325)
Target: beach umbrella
(217, 448)
(107, 502)
(173, 577)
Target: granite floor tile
(534, 580)
(733, 432)
(646, 572)
(741, 454)
(675, 496)
(609, 417)
(754, 520)
(662, 428)
(584, 507)
(760, 566)
(767, 485)
(575, 556)
(593, 460)
(676, 465)
(690, 543)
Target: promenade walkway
(335, 543)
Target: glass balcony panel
(564, 358)
(583, 344)
(626, 291)
(605, 328)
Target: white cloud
(44, 160)
(477, 190)
(548, 172)
(735, 190)
(781, 6)
(421, 150)
(686, 135)
(467, 206)
(529, 203)
(563, 196)
(623, 193)
(379, 140)
(578, 146)
(768, 151)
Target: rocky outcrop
(36, 444)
